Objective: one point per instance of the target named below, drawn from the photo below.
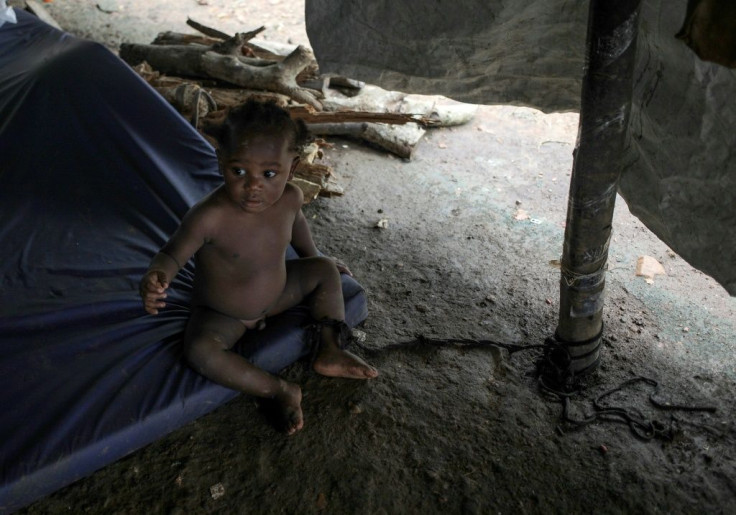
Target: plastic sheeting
(678, 170)
(97, 171)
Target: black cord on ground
(556, 379)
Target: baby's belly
(246, 300)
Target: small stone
(603, 449)
(355, 408)
(217, 491)
(685, 329)
(521, 214)
(648, 267)
(422, 308)
(359, 336)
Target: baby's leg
(207, 342)
(318, 280)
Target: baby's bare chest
(248, 243)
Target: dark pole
(604, 114)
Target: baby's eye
(269, 174)
(238, 172)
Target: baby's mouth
(251, 201)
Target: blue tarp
(97, 171)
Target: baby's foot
(335, 362)
(288, 405)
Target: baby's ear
(294, 165)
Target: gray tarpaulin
(679, 171)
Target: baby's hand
(342, 267)
(153, 290)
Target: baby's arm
(164, 266)
(301, 238)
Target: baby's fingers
(153, 303)
(343, 269)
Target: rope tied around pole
(570, 277)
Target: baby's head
(258, 151)
(260, 118)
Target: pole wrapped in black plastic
(597, 165)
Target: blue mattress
(97, 171)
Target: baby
(239, 234)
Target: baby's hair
(260, 118)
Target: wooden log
(179, 38)
(230, 97)
(278, 77)
(310, 116)
(397, 139)
(181, 60)
(201, 61)
(432, 111)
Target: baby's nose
(251, 183)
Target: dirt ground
(458, 429)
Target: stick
(207, 31)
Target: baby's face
(257, 171)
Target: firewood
(397, 139)
(191, 100)
(310, 116)
(183, 60)
(278, 77)
(332, 188)
(310, 189)
(231, 97)
(207, 31)
(433, 111)
(203, 61)
(313, 172)
(179, 38)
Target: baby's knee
(326, 267)
(199, 350)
